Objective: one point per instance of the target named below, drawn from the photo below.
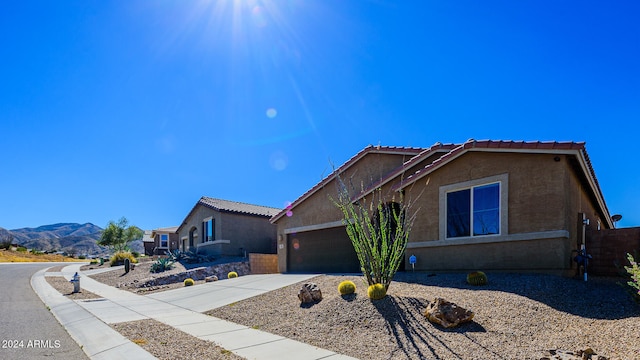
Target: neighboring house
(147, 242)
(229, 228)
(481, 205)
(164, 240)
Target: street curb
(97, 339)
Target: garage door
(321, 251)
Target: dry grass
(18, 256)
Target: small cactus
(189, 282)
(477, 278)
(346, 287)
(232, 275)
(376, 292)
(127, 265)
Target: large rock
(447, 314)
(310, 292)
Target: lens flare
(272, 113)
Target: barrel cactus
(477, 278)
(189, 282)
(376, 292)
(232, 274)
(346, 287)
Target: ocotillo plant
(378, 229)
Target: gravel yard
(133, 280)
(168, 343)
(516, 317)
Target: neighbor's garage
(321, 251)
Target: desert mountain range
(73, 238)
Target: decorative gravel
(133, 280)
(64, 287)
(166, 342)
(516, 317)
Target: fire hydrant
(76, 283)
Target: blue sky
(137, 108)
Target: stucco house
(164, 240)
(228, 228)
(481, 205)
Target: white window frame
(502, 180)
(205, 238)
(166, 242)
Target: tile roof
(452, 151)
(171, 230)
(237, 207)
(493, 145)
(413, 151)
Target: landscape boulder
(211, 278)
(447, 314)
(310, 292)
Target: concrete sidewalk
(180, 308)
(97, 339)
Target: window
(208, 230)
(164, 240)
(473, 211)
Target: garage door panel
(321, 251)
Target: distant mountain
(73, 238)
(56, 231)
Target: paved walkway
(86, 320)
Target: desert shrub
(378, 227)
(376, 291)
(135, 254)
(232, 275)
(346, 287)
(189, 282)
(82, 257)
(634, 274)
(477, 278)
(162, 264)
(118, 258)
(93, 262)
(36, 252)
(21, 249)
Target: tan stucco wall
(319, 209)
(545, 197)
(246, 232)
(535, 191)
(544, 255)
(253, 234)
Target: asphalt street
(28, 330)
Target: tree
(379, 234)
(117, 236)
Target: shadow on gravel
(412, 332)
(599, 298)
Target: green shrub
(93, 262)
(118, 258)
(21, 249)
(36, 252)
(135, 254)
(189, 282)
(346, 287)
(376, 292)
(232, 275)
(82, 257)
(162, 264)
(477, 278)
